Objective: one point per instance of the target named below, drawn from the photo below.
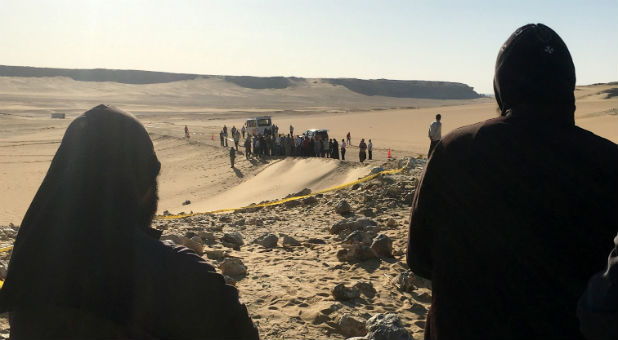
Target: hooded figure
(513, 215)
(85, 262)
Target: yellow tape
(2, 250)
(281, 201)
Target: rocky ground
(327, 266)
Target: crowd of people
(510, 220)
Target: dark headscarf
(535, 73)
(75, 245)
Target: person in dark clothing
(221, 138)
(247, 147)
(335, 149)
(232, 156)
(343, 150)
(86, 263)
(596, 310)
(514, 214)
(362, 153)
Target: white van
(258, 125)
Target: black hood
(535, 74)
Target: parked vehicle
(320, 133)
(258, 126)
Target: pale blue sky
(418, 40)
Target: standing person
(103, 262)
(500, 199)
(187, 135)
(362, 153)
(236, 139)
(232, 156)
(221, 137)
(331, 153)
(291, 130)
(225, 134)
(335, 149)
(370, 149)
(349, 138)
(343, 150)
(435, 134)
(243, 131)
(247, 147)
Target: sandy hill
(382, 87)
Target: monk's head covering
(535, 71)
(75, 244)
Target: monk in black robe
(86, 263)
(514, 214)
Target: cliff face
(374, 87)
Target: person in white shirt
(342, 150)
(370, 149)
(435, 133)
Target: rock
(383, 246)
(386, 326)
(234, 238)
(343, 207)
(352, 224)
(239, 223)
(166, 213)
(304, 192)
(366, 288)
(207, 236)
(292, 203)
(216, 227)
(358, 237)
(175, 238)
(355, 186)
(311, 200)
(368, 212)
(229, 280)
(267, 240)
(316, 241)
(255, 221)
(391, 223)
(215, 254)
(288, 241)
(187, 202)
(356, 252)
(343, 293)
(225, 219)
(405, 280)
(2, 271)
(351, 326)
(233, 266)
(195, 244)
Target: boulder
(207, 236)
(343, 293)
(405, 280)
(366, 288)
(195, 243)
(343, 207)
(386, 326)
(391, 223)
(234, 238)
(349, 325)
(267, 240)
(215, 254)
(382, 245)
(357, 237)
(288, 241)
(356, 252)
(232, 267)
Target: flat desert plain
(288, 288)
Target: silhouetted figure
(232, 156)
(362, 153)
(187, 135)
(343, 150)
(86, 263)
(435, 134)
(514, 214)
(370, 149)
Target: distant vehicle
(259, 125)
(320, 133)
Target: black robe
(85, 263)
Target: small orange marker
(389, 153)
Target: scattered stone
(288, 241)
(234, 238)
(304, 192)
(368, 212)
(267, 240)
(2, 271)
(343, 207)
(386, 326)
(355, 186)
(233, 267)
(255, 221)
(351, 326)
(207, 236)
(195, 244)
(357, 252)
(343, 293)
(292, 203)
(383, 246)
(166, 213)
(358, 237)
(187, 202)
(405, 280)
(229, 280)
(366, 288)
(215, 254)
(310, 200)
(175, 238)
(225, 219)
(316, 241)
(391, 223)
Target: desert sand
(287, 288)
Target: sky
(408, 40)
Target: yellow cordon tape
(2, 250)
(281, 201)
